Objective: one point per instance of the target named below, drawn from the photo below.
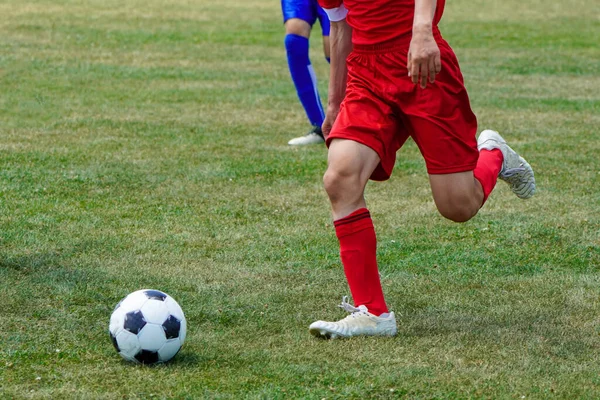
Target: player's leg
(299, 17)
(459, 196)
(448, 145)
(350, 164)
(462, 170)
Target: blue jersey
(306, 10)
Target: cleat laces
(354, 311)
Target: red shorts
(382, 108)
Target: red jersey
(377, 21)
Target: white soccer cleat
(315, 136)
(515, 170)
(360, 322)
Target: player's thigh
(298, 16)
(352, 161)
(441, 120)
(368, 117)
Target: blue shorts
(306, 10)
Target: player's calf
(457, 196)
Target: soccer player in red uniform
(393, 76)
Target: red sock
(358, 246)
(487, 170)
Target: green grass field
(143, 144)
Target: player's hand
(330, 116)
(424, 61)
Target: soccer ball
(147, 327)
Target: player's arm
(340, 38)
(424, 61)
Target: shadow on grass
(183, 360)
(186, 359)
(30, 263)
(34, 262)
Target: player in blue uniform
(299, 16)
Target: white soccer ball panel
(182, 331)
(128, 344)
(169, 349)
(134, 301)
(155, 311)
(152, 337)
(116, 321)
(174, 308)
(128, 358)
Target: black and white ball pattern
(148, 327)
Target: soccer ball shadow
(186, 359)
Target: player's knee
(459, 209)
(297, 26)
(331, 183)
(339, 184)
(456, 214)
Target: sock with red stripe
(358, 247)
(487, 170)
